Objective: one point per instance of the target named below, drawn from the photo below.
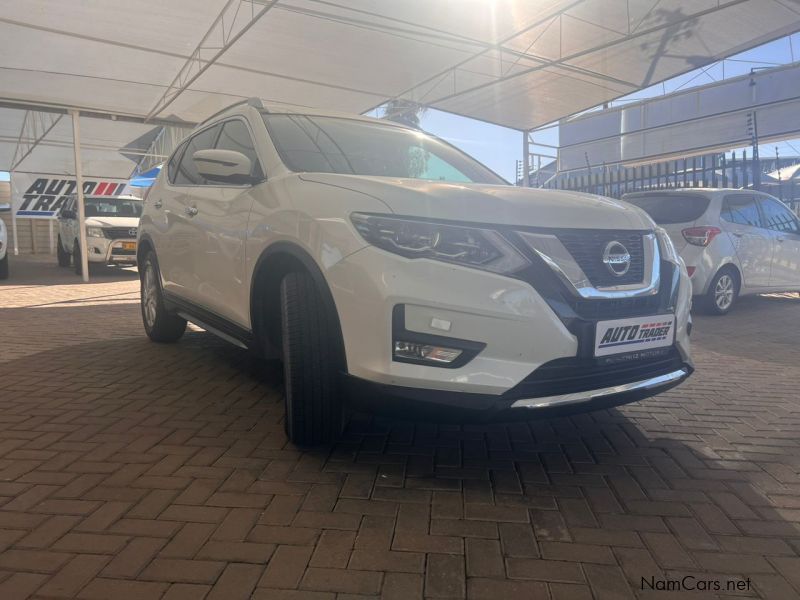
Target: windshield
(666, 209)
(110, 207)
(348, 146)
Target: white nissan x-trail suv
(390, 269)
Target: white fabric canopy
(517, 63)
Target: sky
(500, 147)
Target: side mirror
(226, 166)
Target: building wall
(34, 235)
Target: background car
(733, 242)
(3, 251)
(112, 223)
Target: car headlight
(95, 232)
(468, 246)
(666, 246)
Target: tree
(403, 111)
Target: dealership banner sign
(38, 196)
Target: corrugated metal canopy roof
(517, 63)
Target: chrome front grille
(120, 233)
(587, 248)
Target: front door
(741, 220)
(221, 213)
(785, 231)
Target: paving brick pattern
(134, 470)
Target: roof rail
(254, 102)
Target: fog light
(425, 352)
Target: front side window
(777, 217)
(172, 165)
(741, 210)
(353, 147)
(187, 173)
(236, 136)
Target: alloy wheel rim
(149, 296)
(723, 292)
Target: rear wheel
(722, 292)
(159, 324)
(311, 363)
(4, 267)
(63, 255)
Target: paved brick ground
(132, 470)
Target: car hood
(493, 204)
(112, 221)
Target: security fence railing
(709, 171)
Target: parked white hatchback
(388, 267)
(111, 226)
(734, 242)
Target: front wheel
(4, 267)
(310, 363)
(63, 255)
(159, 324)
(723, 292)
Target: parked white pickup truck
(111, 226)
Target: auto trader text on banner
(39, 196)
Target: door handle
(158, 203)
(191, 210)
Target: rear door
(785, 231)
(740, 218)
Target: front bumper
(528, 329)
(111, 252)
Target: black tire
(723, 292)
(76, 257)
(160, 325)
(4, 267)
(311, 363)
(63, 256)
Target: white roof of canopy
(517, 63)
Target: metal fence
(710, 171)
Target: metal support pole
(14, 231)
(52, 239)
(76, 144)
(526, 159)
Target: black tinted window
(778, 217)
(349, 146)
(741, 210)
(236, 136)
(187, 173)
(671, 208)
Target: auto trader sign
(37, 196)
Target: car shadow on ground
(38, 269)
(700, 480)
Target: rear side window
(187, 173)
(236, 136)
(671, 208)
(741, 210)
(777, 217)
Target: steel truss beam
(561, 62)
(160, 148)
(233, 21)
(35, 127)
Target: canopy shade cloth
(518, 63)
